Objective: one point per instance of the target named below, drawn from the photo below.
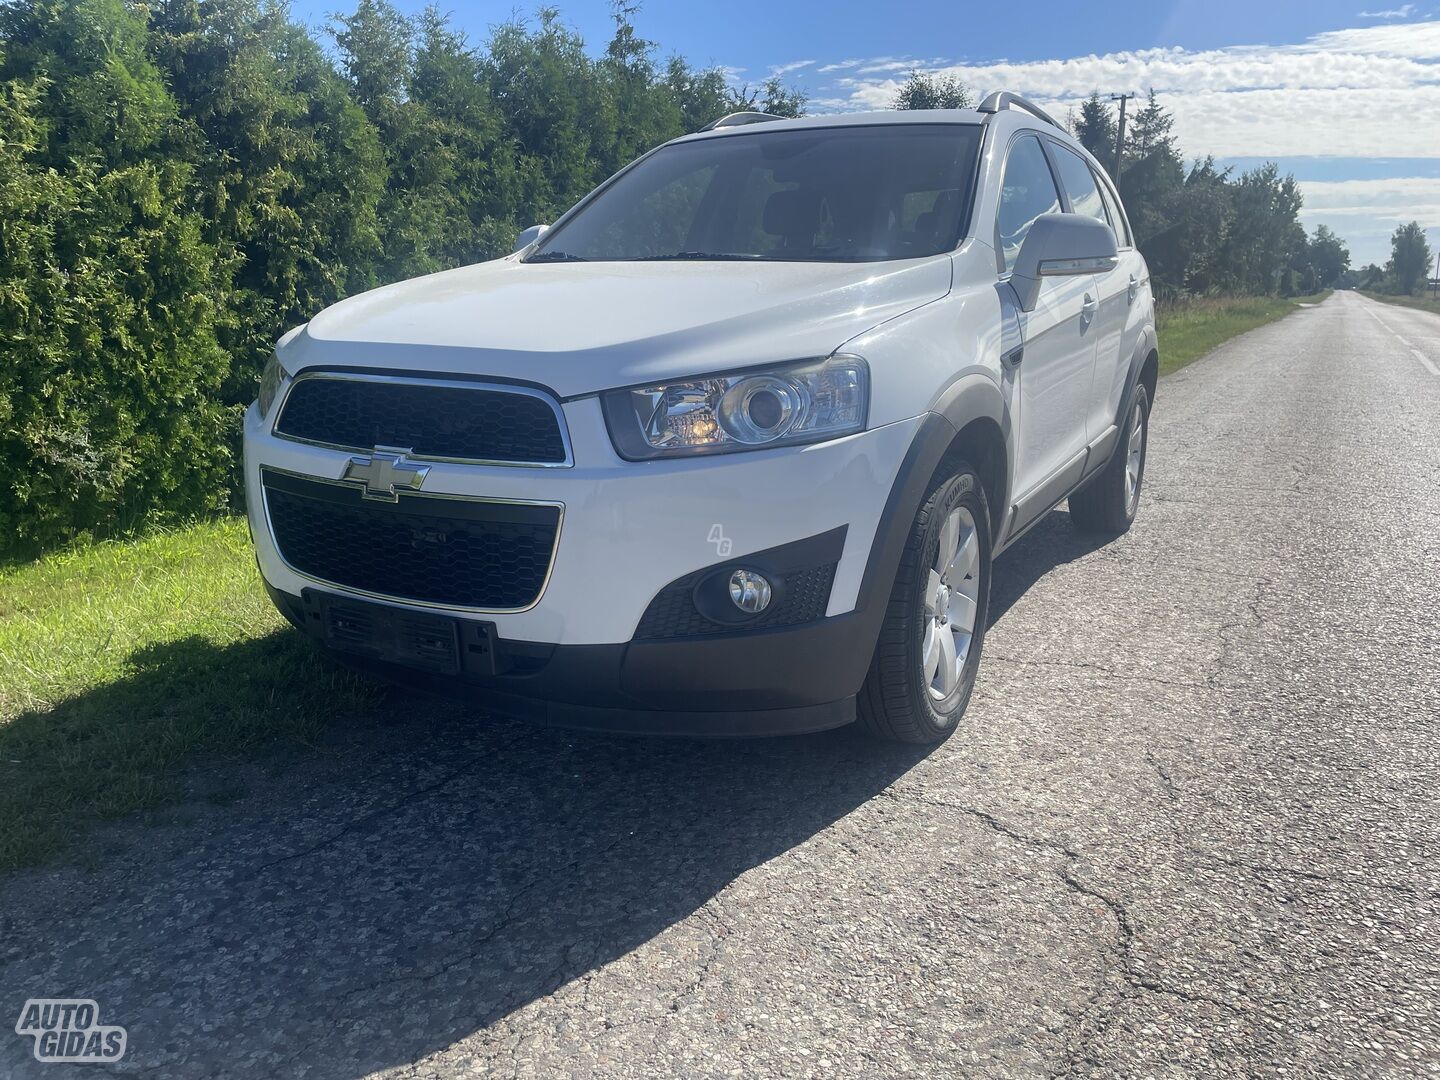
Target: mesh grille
(477, 424)
(440, 551)
(673, 613)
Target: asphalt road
(1189, 829)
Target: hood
(581, 327)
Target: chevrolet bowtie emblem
(384, 473)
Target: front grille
(440, 420)
(673, 612)
(453, 552)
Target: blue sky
(1344, 95)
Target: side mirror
(528, 237)
(1061, 245)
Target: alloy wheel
(1134, 458)
(952, 601)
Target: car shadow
(432, 870)
(1052, 543)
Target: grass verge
(1188, 329)
(121, 660)
(1420, 303)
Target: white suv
(730, 447)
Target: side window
(1117, 219)
(1027, 192)
(1075, 178)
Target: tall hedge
(111, 297)
(183, 180)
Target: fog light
(749, 591)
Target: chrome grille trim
(405, 601)
(278, 411)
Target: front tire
(923, 670)
(1107, 504)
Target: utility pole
(1120, 131)
(1435, 288)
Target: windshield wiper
(700, 255)
(555, 256)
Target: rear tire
(1108, 502)
(923, 670)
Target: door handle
(1087, 309)
(1134, 288)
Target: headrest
(790, 213)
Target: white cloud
(1366, 212)
(781, 70)
(1373, 91)
(1395, 200)
(1402, 12)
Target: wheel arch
(980, 417)
(981, 443)
(1150, 373)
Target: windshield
(857, 194)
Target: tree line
(182, 181)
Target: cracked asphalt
(1189, 827)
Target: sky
(1344, 96)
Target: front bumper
(766, 682)
(629, 530)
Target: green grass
(119, 661)
(1420, 303)
(1188, 329)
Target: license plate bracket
(395, 635)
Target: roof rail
(1004, 99)
(740, 119)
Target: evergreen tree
(111, 295)
(1095, 128)
(645, 113)
(553, 109)
(289, 171)
(700, 96)
(1147, 133)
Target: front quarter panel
(917, 358)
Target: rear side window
(1079, 185)
(1117, 219)
(1027, 192)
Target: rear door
(1057, 366)
(1135, 276)
(1106, 295)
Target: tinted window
(1079, 184)
(1117, 219)
(830, 195)
(1028, 192)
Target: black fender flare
(1147, 344)
(968, 398)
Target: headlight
(719, 414)
(271, 379)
